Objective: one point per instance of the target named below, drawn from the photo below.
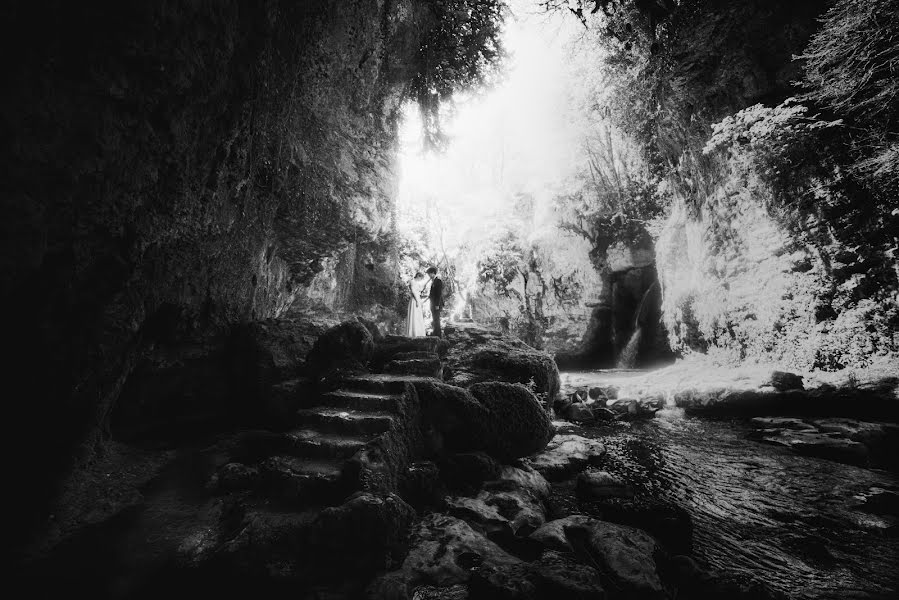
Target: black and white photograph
(450, 299)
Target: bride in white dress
(415, 318)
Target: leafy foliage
(502, 264)
(852, 68)
(616, 198)
(463, 52)
(684, 86)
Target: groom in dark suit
(436, 298)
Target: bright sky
(517, 137)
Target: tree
(463, 52)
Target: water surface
(759, 510)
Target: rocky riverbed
(395, 468)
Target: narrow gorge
(656, 242)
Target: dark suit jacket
(436, 293)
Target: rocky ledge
(702, 387)
(387, 467)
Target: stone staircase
(358, 437)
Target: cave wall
(172, 169)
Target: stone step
(424, 367)
(413, 343)
(317, 444)
(393, 345)
(305, 481)
(415, 355)
(382, 382)
(339, 420)
(357, 400)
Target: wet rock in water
(624, 554)
(526, 478)
(880, 502)
(783, 381)
(881, 439)
(781, 423)
(467, 471)
(825, 446)
(561, 405)
(579, 413)
(668, 523)
(501, 508)
(597, 395)
(443, 551)
(552, 533)
(600, 484)
(501, 582)
(348, 346)
(565, 455)
(560, 575)
(578, 396)
(483, 517)
(429, 592)
(839, 439)
(603, 415)
(517, 423)
(632, 408)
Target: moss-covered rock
(476, 355)
(518, 425)
(452, 419)
(348, 345)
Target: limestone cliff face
(750, 270)
(740, 284)
(174, 168)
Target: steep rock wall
(750, 271)
(172, 169)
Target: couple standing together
(423, 288)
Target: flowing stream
(758, 510)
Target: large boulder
(366, 532)
(559, 575)
(348, 346)
(518, 425)
(477, 355)
(565, 455)
(452, 420)
(467, 471)
(502, 508)
(503, 419)
(443, 551)
(627, 556)
(838, 439)
(600, 484)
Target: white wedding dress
(415, 318)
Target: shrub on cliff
(461, 53)
(852, 68)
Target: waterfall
(628, 357)
(643, 302)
